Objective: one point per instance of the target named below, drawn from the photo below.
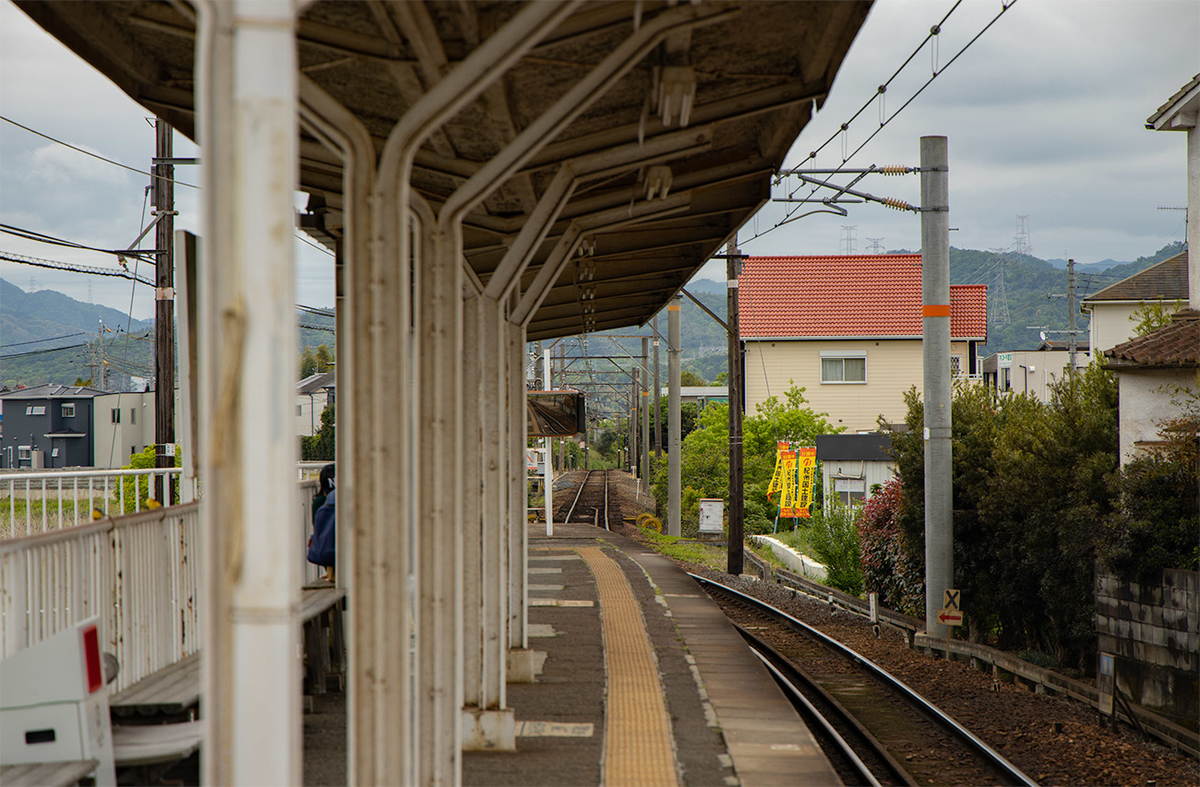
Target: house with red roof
(848, 330)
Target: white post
(548, 468)
(247, 108)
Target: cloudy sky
(1045, 117)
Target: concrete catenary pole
(935, 325)
(634, 396)
(674, 427)
(645, 400)
(657, 399)
(164, 306)
(734, 550)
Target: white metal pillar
(246, 101)
(516, 547)
(674, 426)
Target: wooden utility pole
(733, 265)
(164, 305)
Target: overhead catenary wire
(39, 262)
(880, 91)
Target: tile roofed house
(811, 297)
(824, 322)
(1112, 308)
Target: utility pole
(645, 397)
(657, 399)
(164, 302)
(935, 345)
(1071, 342)
(634, 395)
(733, 265)
(674, 427)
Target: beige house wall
(892, 367)
(112, 444)
(1111, 324)
(1146, 400)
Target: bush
(834, 539)
(1157, 520)
(887, 567)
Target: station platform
(642, 680)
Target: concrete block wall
(1153, 631)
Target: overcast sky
(1045, 117)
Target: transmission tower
(875, 246)
(1021, 242)
(998, 293)
(849, 242)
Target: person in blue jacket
(322, 547)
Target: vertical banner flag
(806, 476)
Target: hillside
(51, 338)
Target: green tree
(689, 378)
(1152, 315)
(323, 358)
(308, 363)
(322, 447)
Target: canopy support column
(246, 97)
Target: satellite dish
(1042, 335)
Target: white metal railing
(37, 502)
(139, 573)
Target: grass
(796, 539)
(13, 512)
(686, 551)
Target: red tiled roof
(869, 295)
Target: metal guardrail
(41, 501)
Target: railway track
(889, 734)
(591, 501)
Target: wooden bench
(47, 774)
(170, 691)
(324, 645)
(153, 744)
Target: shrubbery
(887, 567)
(834, 539)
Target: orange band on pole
(674, 307)
(935, 310)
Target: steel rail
(578, 495)
(797, 697)
(946, 721)
(606, 527)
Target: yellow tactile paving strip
(637, 732)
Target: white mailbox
(712, 515)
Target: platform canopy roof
(758, 68)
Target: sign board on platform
(712, 515)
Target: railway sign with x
(953, 600)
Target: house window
(956, 366)
(35, 409)
(53, 452)
(116, 415)
(1005, 379)
(133, 415)
(299, 409)
(850, 490)
(68, 410)
(843, 368)
(24, 452)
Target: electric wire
(44, 351)
(55, 241)
(934, 31)
(95, 155)
(48, 339)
